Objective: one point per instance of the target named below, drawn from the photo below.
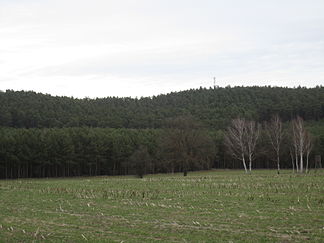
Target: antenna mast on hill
(214, 82)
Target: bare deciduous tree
(302, 143)
(241, 138)
(299, 141)
(294, 150)
(275, 134)
(185, 145)
(140, 161)
(252, 131)
(234, 140)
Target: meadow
(209, 206)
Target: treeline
(214, 107)
(46, 136)
(69, 151)
(61, 152)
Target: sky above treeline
(99, 48)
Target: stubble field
(214, 206)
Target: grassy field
(214, 206)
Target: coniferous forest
(46, 136)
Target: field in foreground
(215, 206)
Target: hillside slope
(214, 107)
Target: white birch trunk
(244, 164)
(301, 168)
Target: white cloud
(134, 48)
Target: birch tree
(235, 140)
(302, 143)
(252, 131)
(275, 134)
(294, 150)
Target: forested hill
(214, 107)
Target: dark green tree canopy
(214, 107)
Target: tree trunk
(250, 163)
(307, 157)
(244, 164)
(301, 168)
(296, 161)
(278, 163)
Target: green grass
(214, 206)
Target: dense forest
(214, 107)
(46, 136)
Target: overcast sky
(99, 48)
